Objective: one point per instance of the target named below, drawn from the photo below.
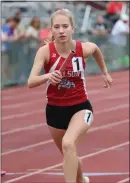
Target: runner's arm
(35, 79)
(91, 49)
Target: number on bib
(77, 64)
(88, 118)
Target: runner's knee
(68, 145)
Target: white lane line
(28, 147)
(124, 180)
(27, 93)
(36, 93)
(22, 95)
(21, 104)
(44, 124)
(39, 93)
(22, 114)
(30, 127)
(113, 124)
(13, 116)
(89, 80)
(89, 174)
(61, 173)
(105, 150)
(60, 164)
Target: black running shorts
(60, 116)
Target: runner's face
(62, 28)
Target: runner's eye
(65, 26)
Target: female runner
(69, 112)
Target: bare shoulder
(88, 44)
(43, 52)
(88, 48)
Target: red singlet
(72, 89)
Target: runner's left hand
(107, 80)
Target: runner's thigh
(79, 124)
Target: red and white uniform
(72, 89)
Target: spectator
(120, 31)
(100, 30)
(8, 36)
(33, 31)
(100, 27)
(32, 35)
(20, 28)
(45, 33)
(8, 32)
(113, 11)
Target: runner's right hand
(55, 77)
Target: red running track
(29, 154)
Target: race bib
(77, 64)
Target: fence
(17, 62)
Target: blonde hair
(64, 12)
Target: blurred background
(25, 26)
